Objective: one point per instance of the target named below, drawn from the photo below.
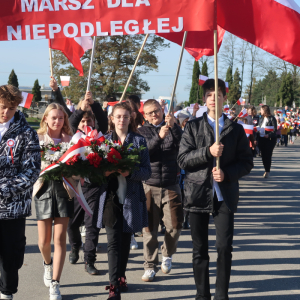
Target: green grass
(33, 120)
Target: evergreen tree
(36, 91)
(13, 79)
(204, 72)
(235, 91)
(229, 79)
(286, 92)
(195, 83)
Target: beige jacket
(39, 183)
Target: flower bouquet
(90, 156)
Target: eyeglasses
(156, 112)
(126, 118)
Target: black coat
(163, 154)
(271, 122)
(195, 158)
(101, 122)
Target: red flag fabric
(73, 49)
(45, 19)
(272, 25)
(269, 128)
(248, 128)
(27, 100)
(240, 101)
(202, 79)
(227, 87)
(243, 113)
(198, 43)
(65, 80)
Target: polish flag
(27, 99)
(240, 101)
(73, 49)
(287, 123)
(279, 111)
(198, 43)
(227, 87)
(269, 128)
(272, 25)
(65, 80)
(256, 128)
(202, 79)
(288, 113)
(243, 113)
(226, 108)
(248, 128)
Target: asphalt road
(266, 257)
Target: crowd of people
(177, 185)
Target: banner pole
(217, 108)
(178, 70)
(134, 66)
(51, 65)
(91, 65)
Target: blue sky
(30, 59)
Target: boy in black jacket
(213, 191)
(20, 168)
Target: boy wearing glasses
(162, 189)
(208, 190)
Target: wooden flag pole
(133, 69)
(91, 65)
(51, 65)
(217, 106)
(178, 70)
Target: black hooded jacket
(163, 154)
(195, 158)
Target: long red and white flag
(73, 49)
(269, 128)
(65, 80)
(27, 100)
(272, 25)
(227, 87)
(202, 79)
(248, 128)
(243, 113)
(240, 101)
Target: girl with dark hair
(122, 208)
(267, 137)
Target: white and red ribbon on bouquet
(80, 140)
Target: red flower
(100, 140)
(113, 155)
(55, 148)
(72, 160)
(94, 159)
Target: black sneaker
(74, 255)
(91, 269)
(114, 292)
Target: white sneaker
(2, 296)
(166, 264)
(133, 244)
(48, 273)
(82, 230)
(149, 275)
(54, 291)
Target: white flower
(105, 148)
(52, 155)
(84, 153)
(42, 143)
(64, 147)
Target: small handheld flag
(65, 80)
(27, 100)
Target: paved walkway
(266, 258)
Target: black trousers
(12, 249)
(118, 247)
(266, 147)
(92, 196)
(224, 223)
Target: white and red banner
(202, 79)
(198, 43)
(27, 100)
(226, 108)
(51, 19)
(269, 128)
(240, 101)
(248, 128)
(272, 25)
(73, 49)
(279, 111)
(243, 113)
(65, 80)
